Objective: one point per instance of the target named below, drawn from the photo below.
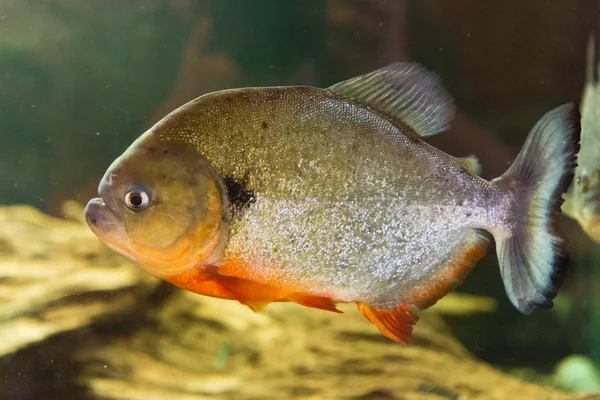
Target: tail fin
(532, 262)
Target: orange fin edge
(209, 282)
(395, 323)
(457, 268)
(320, 302)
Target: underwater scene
(307, 199)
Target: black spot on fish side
(264, 125)
(239, 195)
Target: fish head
(161, 205)
(588, 185)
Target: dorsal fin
(404, 91)
(471, 164)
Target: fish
(582, 201)
(325, 196)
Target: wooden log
(54, 275)
(200, 348)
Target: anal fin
(396, 323)
(454, 270)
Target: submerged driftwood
(54, 277)
(153, 341)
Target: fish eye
(137, 199)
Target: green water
(80, 80)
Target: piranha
(582, 202)
(324, 196)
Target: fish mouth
(93, 212)
(105, 224)
(99, 217)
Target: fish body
(336, 224)
(582, 202)
(319, 196)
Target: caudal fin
(532, 261)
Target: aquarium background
(80, 80)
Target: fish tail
(532, 260)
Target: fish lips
(103, 222)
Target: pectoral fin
(211, 281)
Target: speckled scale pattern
(349, 203)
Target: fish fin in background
(572, 205)
(396, 323)
(471, 164)
(406, 92)
(473, 248)
(532, 261)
